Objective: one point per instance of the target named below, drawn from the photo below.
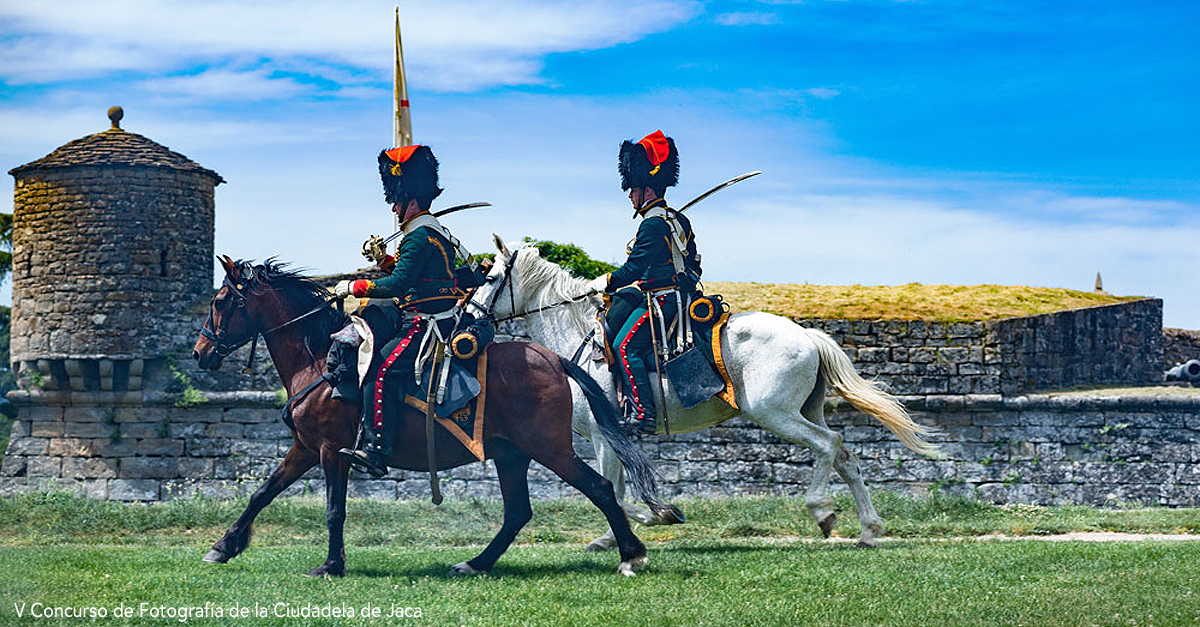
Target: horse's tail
(867, 396)
(641, 474)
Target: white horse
(779, 371)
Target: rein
(223, 349)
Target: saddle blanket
(463, 409)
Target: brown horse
(527, 416)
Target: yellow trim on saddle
(474, 441)
(727, 394)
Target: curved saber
(438, 214)
(736, 179)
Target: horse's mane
(305, 294)
(555, 283)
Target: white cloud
(747, 18)
(225, 84)
(823, 93)
(452, 46)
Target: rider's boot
(379, 432)
(640, 410)
(341, 367)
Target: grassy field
(914, 301)
(744, 561)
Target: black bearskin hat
(409, 172)
(652, 162)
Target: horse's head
(498, 294)
(235, 315)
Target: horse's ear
(226, 263)
(501, 246)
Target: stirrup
(361, 460)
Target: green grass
(914, 301)
(740, 561)
(44, 519)
(710, 583)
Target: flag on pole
(402, 118)
(402, 124)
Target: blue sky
(933, 142)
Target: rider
(662, 261)
(397, 308)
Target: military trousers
(629, 320)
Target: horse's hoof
(328, 570)
(463, 568)
(867, 544)
(601, 544)
(671, 515)
(826, 524)
(633, 566)
(215, 557)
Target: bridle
(509, 266)
(221, 345)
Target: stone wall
(99, 253)
(1113, 344)
(1179, 345)
(1071, 448)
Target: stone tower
(112, 245)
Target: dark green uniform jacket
(424, 274)
(650, 260)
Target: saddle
(697, 371)
(457, 381)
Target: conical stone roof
(115, 147)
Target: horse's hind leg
(512, 466)
(337, 474)
(600, 492)
(846, 465)
(296, 462)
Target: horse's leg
(611, 469)
(824, 444)
(296, 462)
(846, 464)
(512, 466)
(337, 474)
(599, 491)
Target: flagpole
(402, 125)
(401, 115)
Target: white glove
(598, 284)
(342, 289)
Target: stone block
(251, 415)
(377, 489)
(187, 429)
(160, 446)
(13, 466)
(28, 446)
(139, 430)
(89, 414)
(70, 447)
(192, 468)
(88, 429)
(148, 468)
(253, 448)
(43, 466)
(108, 447)
(133, 490)
(744, 472)
(140, 414)
(89, 468)
(42, 413)
(44, 430)
(207, 447)
(20, 429)
(178, 415)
